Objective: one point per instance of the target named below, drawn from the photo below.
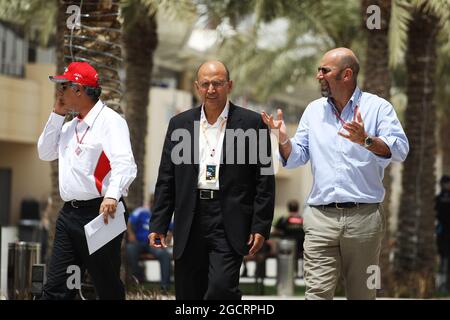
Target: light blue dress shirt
(344, 171)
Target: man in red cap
(96, 168)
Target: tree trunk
(138, 68)
(377, 80)
(415, 255)
(55, 199)
(98, 42)
(444, 130)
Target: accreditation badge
(211, 173)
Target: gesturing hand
(278, 125)
(356, 131)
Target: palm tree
(138, 69)
(140, 18)
(312, 28)
(377, 80)
(443, 100)
(98, 42)
(415, 256)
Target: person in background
(442, 207)
(137, 233)
(291, 227)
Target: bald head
(344, 58)
(214, 65)
(213, 86)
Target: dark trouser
(70, 249)
(209, 267)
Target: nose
(319, 75)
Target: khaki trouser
(346, 241)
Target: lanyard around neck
(219, 132)
(355, 111)
(80, 141)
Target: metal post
(285, 267)
(21, 258)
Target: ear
(348, 74)
(230, 85)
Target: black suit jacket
(246, 195)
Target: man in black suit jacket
(216, 176)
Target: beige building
(24, 108)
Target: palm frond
(134, 10)
(398, 31)
(262, 72)
(38, 17)
(441, 8)
(314, 27)
(401, 16)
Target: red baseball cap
(78, 72)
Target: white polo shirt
(94, 154)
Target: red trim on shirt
(295, 220)
(100, 172)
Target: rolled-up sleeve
(300, 146)
(390, 130)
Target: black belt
(206, 194)
(85, 203)
(342, 205)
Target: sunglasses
(64, 86)
(324, 70)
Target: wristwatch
(368, 141)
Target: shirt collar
(354, 99)
(223, 115)
(93, 113)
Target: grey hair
(93, 92)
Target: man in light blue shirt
(350, 137)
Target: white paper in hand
(98, 233)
